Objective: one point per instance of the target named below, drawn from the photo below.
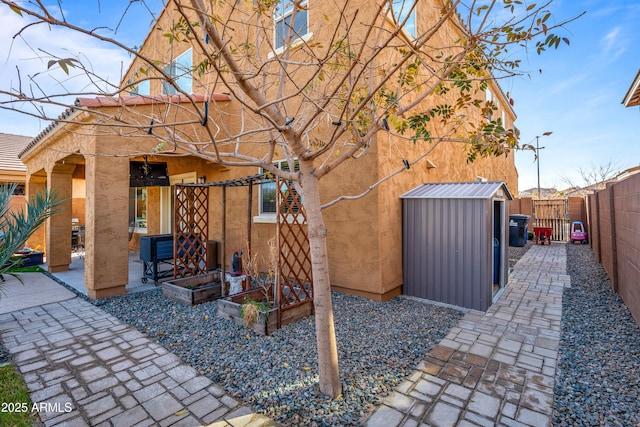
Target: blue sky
(577, 96)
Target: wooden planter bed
(267, 322)
(194, 290)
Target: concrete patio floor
(75, 275)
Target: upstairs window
(180, 70)
(285, 30)
(401, 11)
(143, 88)
(489, 98)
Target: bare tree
(594, 177)
(323, 100)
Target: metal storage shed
(455, 242)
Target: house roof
(457, 190)
(10, 147)
(632, 98)
(81, 104)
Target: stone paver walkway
(83, 367)
(494, 368)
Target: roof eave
(632, 98)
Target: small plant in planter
(251, 310)
(255, 307)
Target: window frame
(489, 98)
(175, 70)
(265, 216)
(397, 16)
(133, 209)
(279, 43)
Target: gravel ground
(598, 377)
(379, 344)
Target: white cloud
(24, 56)
(613, 44)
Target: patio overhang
(87, 104)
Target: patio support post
(37, 184)
(58, 234)
(106, 240)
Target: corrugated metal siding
(447, 243)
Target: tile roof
(10, 147)
(82, 104)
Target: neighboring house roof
(457, 190)
(632, 98)
(545, 192)
(627, 173)
(10, 147)
(81, 104)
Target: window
(17, 191)
(180, 71)
(268, 191)
(143, 88)
(489, 98)
(401, 9)
(285, 30)
(138, 208)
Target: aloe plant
(16, 226)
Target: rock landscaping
(379, 345)
(598, 377)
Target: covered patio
(87, 160)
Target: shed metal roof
(457, 190)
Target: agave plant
(17, 226)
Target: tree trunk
(325, 330)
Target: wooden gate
(553, 213)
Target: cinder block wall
(614, 215)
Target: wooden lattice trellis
(190, 230)
(294, 261)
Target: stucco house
(91, 142)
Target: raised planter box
(267, 322)
(194, 290)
